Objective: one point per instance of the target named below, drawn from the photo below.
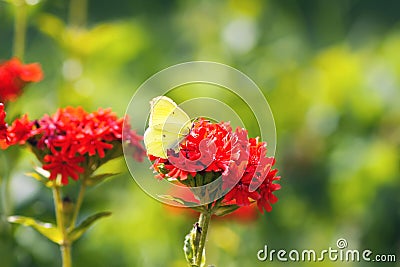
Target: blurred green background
(330, 71)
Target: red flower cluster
(258, 169)
(14, 76)
(3, 127)
(215, 148)
(72, 140)
(209, 147)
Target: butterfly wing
(164, 110)
(158, 141)
(168, 125)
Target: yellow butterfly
(168, 125)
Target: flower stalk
(66, 255)
(65, 245)
(204, 223)
(5, 196)
(19, 28)
(78, 13)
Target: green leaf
(199, 179)
(41, 179)
(224, 210)
(198, 208)
(84, 226)
(183, 202)
(208, 177)
(42, 176)
(191, 246)
(96, 179)
(47, 229)
(36, 176)
(188, 247)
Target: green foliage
(47, 229)
(78, 231)
(329, 70)
(191, 242)
(42, 176)
(98, 178)
(182, 202)
(225, 210)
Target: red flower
(20, 131)
(242, 163)
(3, 128)
(93, 140)
(209, 147)
(107, 117)
(241, 195)
(65, 166)
(258, 171)
(72, 139)
(266, 189)
(14, 76)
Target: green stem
(19, 29)
(4, 206)
(65, 245)
(66, 255)
(78, 13)
(78, 204)
(5, 196)
(204, 222)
